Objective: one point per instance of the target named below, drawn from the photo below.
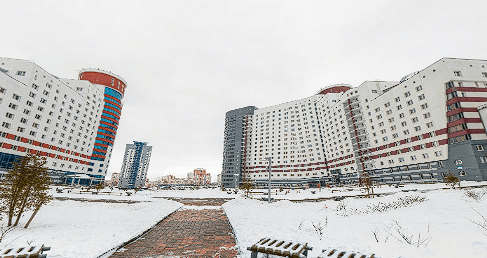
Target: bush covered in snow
(401, 202)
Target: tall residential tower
(135, 165)
(73, 123)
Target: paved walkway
(186, 233)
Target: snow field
(442, 220)
(78, 229)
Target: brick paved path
(185, 233)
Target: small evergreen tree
(247, 186)
(99, 187)
(451, 180)
(27, 182)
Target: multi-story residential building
(114, 179)
(73, 123)
(420, 129)
(199, 177)
(135, 165)
(234, 144)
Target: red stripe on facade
(466, 89)
(459, 110)
(466, 99)
(464, 121)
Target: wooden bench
(280, 248)
(334, 253)
(23, 252)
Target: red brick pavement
(185, 233)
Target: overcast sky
(189, 62)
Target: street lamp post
(235, 178)
(269, 159)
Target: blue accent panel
(7, 160)
(113, 93)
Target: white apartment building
(135, 165)
(63, 120)
(427, 125)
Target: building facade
(199, 176)
(418, 129)
(135, 165)
(73, 123)
(234, 144)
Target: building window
(419, 88)
(21, 73)
(421, 97)
(412, 111)
(483, 159)
(6, 125)
(424, 106)
(427, 115)
(479, 147)
(484, 74)
(410, 102)
(457, 73)
(417, 128)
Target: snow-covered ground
(442, 223)
(82, 229)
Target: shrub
(405, 201)
(476, 195)
(451, 180)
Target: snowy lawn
(86, 229)
(441, 224)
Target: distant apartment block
(199, 176)
(73, 123)
(418, 129)
(135, 165)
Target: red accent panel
(405, 150)
(414, 138)
(32, 151)
(462, 109)
(465, 120)
(417, 147)
(466, 89)
(336, 89)
(466, 131)
(443, 142)
(109, 118)
(103, 79)
(114, 103)
(426, 135)
(429, 144)
(441, 131)
(10, 136)
(466, 99)
(24, 140)
(21, 149)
